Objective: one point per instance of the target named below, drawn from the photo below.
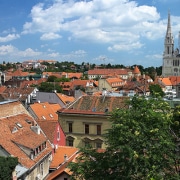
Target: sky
(126, 32)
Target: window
(98, 145)
(41, 169)
(86, 128)
(70, 142)
(70, 127)
(58, 135)
(19, 125)
(51, 115)
(98, 129)
(86, 143)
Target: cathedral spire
(179, 41)
(169, 40)
(169, 24)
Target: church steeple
(169, 40)
(179, 41)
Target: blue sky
(94, 31)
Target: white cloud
(9, 37)
(53, 55)
(16, 54)
(50, 36)
(28, 53)
(112, 22)
(4, 50)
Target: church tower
(169, 40)
(171, 59)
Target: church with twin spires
(171, 55)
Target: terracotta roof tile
(58, 158)
(20, 73)
(12, 108)
(65, 99)
(136, 70)
(174, 80)
(107, 71)
(166, 81)
(17, 93)
(45, 110)
(95, 104)
(48, 128)
(2, 89)
(22, 135)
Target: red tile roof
(17, 93)
(114, 82)
(166, 81)
(59, 154)
(174, 80)
(20, 73)
(12, 108)
(65, 99)
(49, 128)
(136, 70)
(21, 136)
(45, 111)
(107, 71)
(2, 89)
(90, 104)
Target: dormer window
(14, 130)
(51, 115)
(19, 125)
(43, 117)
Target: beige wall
(102, 83)
(34, 173)
(79, 128)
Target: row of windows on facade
(39, 149)
(70, 142)
(86, 128)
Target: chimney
(36, 129)
(65, 158)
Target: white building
(171, 56)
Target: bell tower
(169, 40)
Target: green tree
(156, 90)
(7, 166)
(139, 145)
(49, 87)
(51, 78)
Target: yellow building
(86, 120)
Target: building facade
(85, 122)
(171, 56)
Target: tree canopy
(140, 145)
(49, 87)
(156, 90)
(7, 166)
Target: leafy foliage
(7, 166)
(49, 87)
(139, 145)
(156, 90)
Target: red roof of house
(65, 99)
(174, 80)
(15, 132)
(90, 104)
(49, 128)
(59, 154)
(18, 72)
(136, 70)
(45, 110)
(166, 81)
(107, 71)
